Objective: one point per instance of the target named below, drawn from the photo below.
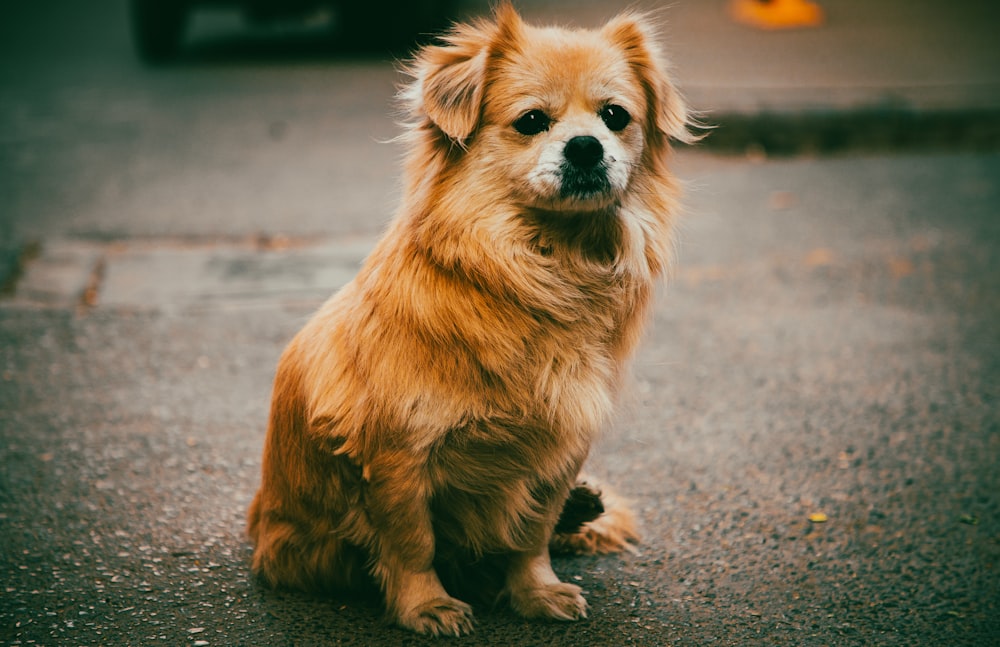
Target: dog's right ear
(451, 78)
(450, 84)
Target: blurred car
(158, 25)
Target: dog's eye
(532, 122)
(615, 117)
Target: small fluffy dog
(435, 413)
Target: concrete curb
(13, 251)
(863, 129)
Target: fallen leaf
(820, 257)
(781, 200)
(901, 267)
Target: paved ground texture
(811, 437)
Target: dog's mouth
(584, 184)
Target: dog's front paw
(554, 601)
(439, 617)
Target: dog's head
(563, 119)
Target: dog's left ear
(451, 78)
(667, 112)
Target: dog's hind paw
(613, 530)
(583, 504)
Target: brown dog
(440, 406)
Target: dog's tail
(594, 520)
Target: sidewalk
(886, 76)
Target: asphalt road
(827, 345)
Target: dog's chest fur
(497, 392)
(542, 384)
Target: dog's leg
(399, 512)
(418, 601)
(536, 592)
(286, 556)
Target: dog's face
(564, 118)
(559, 114)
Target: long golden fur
(440, 406)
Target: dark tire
(157, 28)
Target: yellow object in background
(777, 14)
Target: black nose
(584, 152)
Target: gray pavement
(827, 344)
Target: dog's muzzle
(584, 173)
